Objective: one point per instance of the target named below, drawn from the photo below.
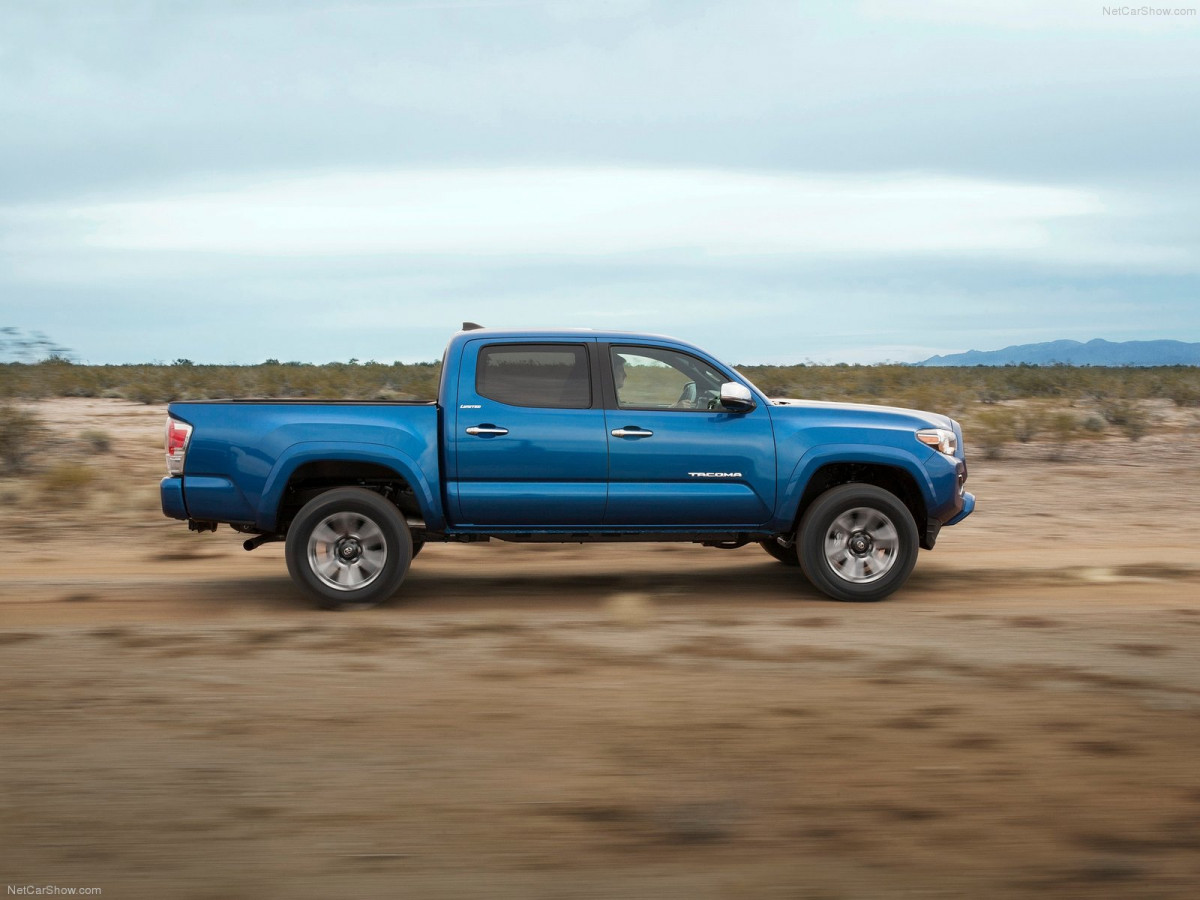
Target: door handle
(486, 429)
(632, 432)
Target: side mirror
(736, 397)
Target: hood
(865, 414)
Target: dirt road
(611, 721)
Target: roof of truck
(541, 334)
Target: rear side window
(543, 375)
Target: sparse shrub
(1115, 412)
(1062, 428)
(951, 390)
(1136, 427)
(97, 441)
(1035, 381)
(1094, 424)
(774, 388)
(1184, 393)
(20, 433)
(991, 430)
(148, 393)
(64, 482)
(1128, 416)
(1029, 423)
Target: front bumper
(968, 507)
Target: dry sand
(608, 721)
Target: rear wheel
(857, 542)
(348, 548)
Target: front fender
(870, 454)
(305, 452)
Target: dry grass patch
(65, 482)
(20, 434)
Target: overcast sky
(777, 181)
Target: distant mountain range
(1074, 353)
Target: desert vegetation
(999, 406)
(951, 388)
(183, 380)
(20, 432)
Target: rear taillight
(178, 435)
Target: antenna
(471, 326)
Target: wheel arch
(900, 475)
(307, 470)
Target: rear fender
(300, 454)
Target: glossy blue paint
(257, 446)
(696, 468)
(549, 470)
(388, 457)
(818, 457)
(946, 502)
(171, 496)
(813, 434)
(691, 506)
(558, 469)
(530, 506)
(968, 506)
(216, 498)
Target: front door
(676, 457)
(528, 429)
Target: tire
(788, 555)
(348, 548)
(857, 543)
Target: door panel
(549, 467)
(696, 469)
(690, 465)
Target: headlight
(940, 439)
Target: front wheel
(785, 553)
(348, 548)
(857, 542)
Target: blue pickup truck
(569, 436)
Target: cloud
(769, 179)
(107, 96)
(681, 214)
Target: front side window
(653, 378)
(542, 375)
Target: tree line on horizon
(40, 368)
(944, 388)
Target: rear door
(530, 449)
(676, 457)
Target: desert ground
(1022, 720)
